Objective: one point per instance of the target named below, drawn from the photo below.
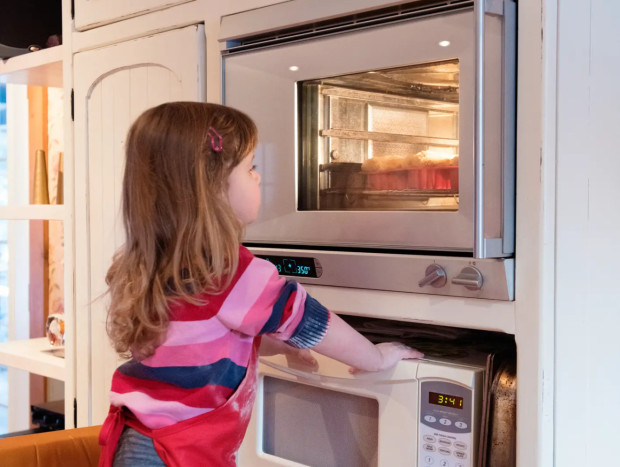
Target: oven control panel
(445, 275)
(446, 425)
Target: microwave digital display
(292, 265)
(445, 400)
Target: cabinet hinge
(72, 106)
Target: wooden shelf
(40, 68)
(33, 355)
(33, 212)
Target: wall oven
(386, 140)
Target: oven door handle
(402, 372)
(481, 9)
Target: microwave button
(445, 421)
(445, 442)
(460, 445)
(470, 277)
(444, 463)
(430, 419)
(461, 425)
(429, 459)
(429, 439)
(444, 451)
(460, 455)
(429, 447)
(459, 464)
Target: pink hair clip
(213, 134)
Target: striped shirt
(207, 347)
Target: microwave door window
(319, 427)
(381, 140)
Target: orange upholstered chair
(77, 447)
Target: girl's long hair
(182, 237)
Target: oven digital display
(446, 400)
(292, 265)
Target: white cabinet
(93, 13)
(112, 86)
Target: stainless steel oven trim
(403, 232)
(403, 272)
(492, 233)
(290, 21)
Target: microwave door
(347, 157)
(328, 417)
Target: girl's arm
(271, 346)
(345, 344)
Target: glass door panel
(385, 140)
(317, 426)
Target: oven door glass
(366, 137)
(316, 426)
(382, 140)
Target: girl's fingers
(413, 353)
(398, 352)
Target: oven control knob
(435, 275)
(470, 277)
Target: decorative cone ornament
(60, 198)
(40, 193)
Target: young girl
(189, 304)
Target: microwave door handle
(481, 8)
(380, 377)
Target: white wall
(587, 405)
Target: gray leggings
(136, 450)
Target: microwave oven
(386, 139)
(420, 413)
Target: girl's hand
(391, 354)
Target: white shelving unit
(26, 356)
(35, 356)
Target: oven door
(366, 138)
(327, 417)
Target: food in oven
(420, 171)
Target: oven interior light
(444, 43)
(293, 68)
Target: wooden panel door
(93, 13)
(113, 85)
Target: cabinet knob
(435, 275)
(470, 277)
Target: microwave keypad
(445, 427)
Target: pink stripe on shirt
(246, 291)
(260, 310)
(155, 413)
(195, 332)
(236, 348)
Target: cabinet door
(93, 13)
(113, 85)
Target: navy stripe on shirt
(274, 321)
(224, 372)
